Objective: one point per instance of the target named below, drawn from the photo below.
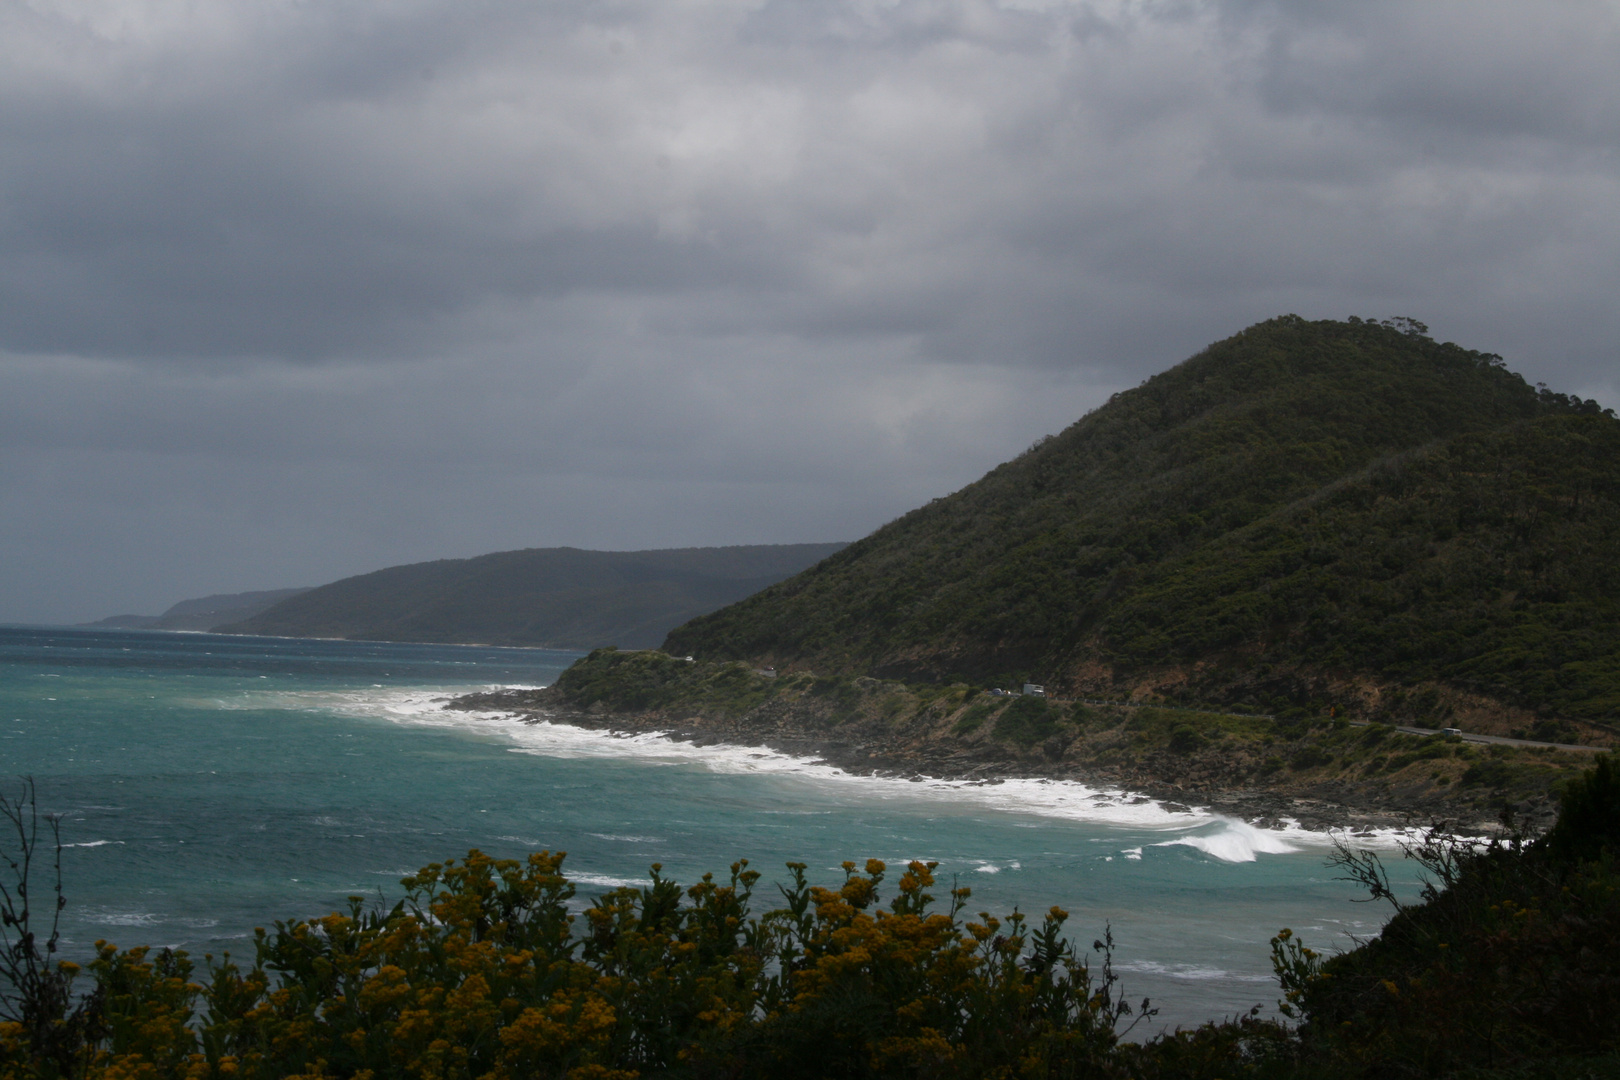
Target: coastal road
(1465, 736)
(1498, 739)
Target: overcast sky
(295, 290)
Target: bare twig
(36, 989)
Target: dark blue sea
(211, 784)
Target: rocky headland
(1323, 773)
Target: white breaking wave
(1189, 971)
(1234, 841)
(606, 882)
(525, 841)
(123, 918)
(1219, 837)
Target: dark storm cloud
(293, 290)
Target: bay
(211, 784)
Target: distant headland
(561, 598)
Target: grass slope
(1308, 514)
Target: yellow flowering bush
(489, 970)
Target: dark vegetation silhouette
(37, 1003)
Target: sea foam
(1215, 835)
(1235, 841)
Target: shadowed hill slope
(1305, 512)
(563, 598)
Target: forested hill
(1345, 514)
(563, 598)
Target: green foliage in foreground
(1512, 958)
(483, 972)
(1507, 968)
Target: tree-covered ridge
(1485, 562)
(1112, 547)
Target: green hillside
(563, 598)
(1345, 514)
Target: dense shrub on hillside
(1484, 562)
(644, 679)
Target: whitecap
(93, 843)
(1194, 972)
(1234, 841)
(605, 881)
(123, 918)
(1133, 853)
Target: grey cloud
(324, 183)
(301, 474)
(1454, 73)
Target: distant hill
(562, 598)
(205, 613)
(1345, 516)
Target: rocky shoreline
(867, 747)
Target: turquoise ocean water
(212, 784)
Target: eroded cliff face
(1324, 771)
